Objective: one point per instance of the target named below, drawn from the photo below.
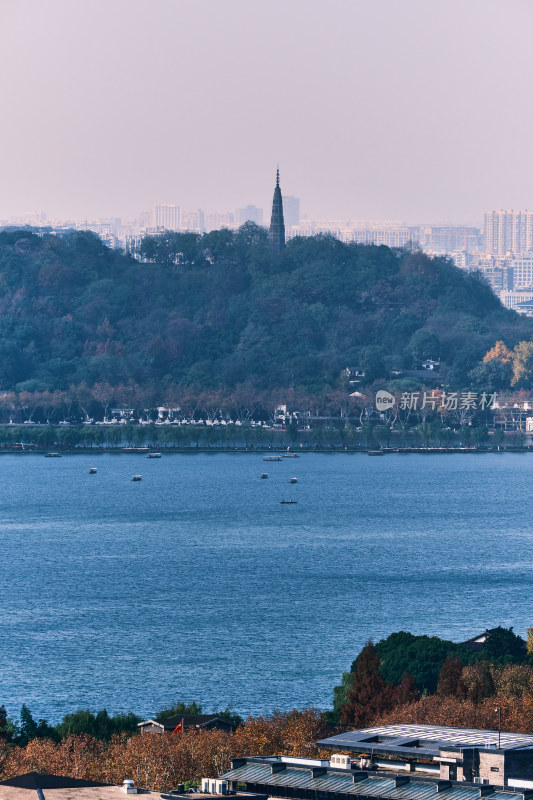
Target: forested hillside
(217, 311)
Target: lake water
(196, 583)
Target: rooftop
(189, 721)
(291, 780)
(32, 785)
(423, 740)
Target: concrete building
(515, 299)
(508, 232)
(448, 238)
(216, 221)
(291, 210)
(193, 221)
(316, 779)
(167, 217)
(522, 271)
(249, 214)
(457, 754)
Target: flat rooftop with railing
(424, 741)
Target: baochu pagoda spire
(276, 233)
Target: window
(494, 769)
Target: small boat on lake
(137, 478)
(92, 471)
(154, 455)
(290, 455)
(289, 502)
(264, 474)
(272, 458)
(53, 455)
(293, 480)
(375, 452)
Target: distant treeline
(218, 312)
(99, 725)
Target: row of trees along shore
(402, 679)
(249, 437)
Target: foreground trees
(160, 762)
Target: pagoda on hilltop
(276, 234)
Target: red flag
(178, 728)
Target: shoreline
(166, 451)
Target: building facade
(508, 232)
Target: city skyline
(373, 111)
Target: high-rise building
(291, 211)
(508, 232)
(216, 221)
(167, 217)
(276, 234)
(448, 238)
(193, 221)
(249, 214)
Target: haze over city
(414, 111)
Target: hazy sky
(418, 110)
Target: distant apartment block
(217, 221)
(249, 214)
(291, 210)
(193, 221)
(508, 232)
(448, 238)
(390, 234)
(167, 217)
(391, 237)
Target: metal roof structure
(282, 779)
(424, 740)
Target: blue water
(196, 583)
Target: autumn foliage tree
(500, 352)
(451, 679)
(370, 695)
(161, 761)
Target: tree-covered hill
(218, 310)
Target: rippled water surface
(196, 583)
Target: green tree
(480, 435)
(99, 725)
(29, 729)
(503, 646)
(522, 365)
(420, 656)
(423, 344)
(8, 729)
(498, 435)
(179, 708)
